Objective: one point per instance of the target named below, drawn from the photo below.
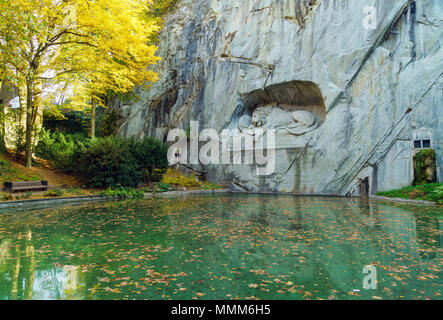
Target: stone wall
(370, 89)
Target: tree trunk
(2, 120)
(21, 118)
(36, 110)
(2, 126)
(28, 139)
(93, 107)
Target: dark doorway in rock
(364, 187)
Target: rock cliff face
(373, 91)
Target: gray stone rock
(368, 89)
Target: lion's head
(260, 115)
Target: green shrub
(172, 177)
(164, 187)
(118, 162)
(157, 175)
(437, 195)
(6, 196)
(109, 123)
(23, 196)
(429, 192)
(74, 191)
(151, 156)
(69, 122)
(105, 162)
(54, 193)
(109, 162)
(60, 149)
(123, 193)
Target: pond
(223, 247)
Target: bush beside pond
(177, 179)
(60, 149)
(118, 162)
(105, 162)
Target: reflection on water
(59, 283)
(222, 247)
(23, 281)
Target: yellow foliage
(177, 179)
(99, 46)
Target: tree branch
(58, 74)
(72, 42)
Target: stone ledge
(422, 202)
(49, 201)
(183, 193)
(67, 200)
(294, 194)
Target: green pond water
(222, 247)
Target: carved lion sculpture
(244, 123)
(272, 117)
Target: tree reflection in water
(239, 246)
(18, 264)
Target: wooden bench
(24, 186)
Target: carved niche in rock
(282, 121)
(291, 109)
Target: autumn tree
(99, 45)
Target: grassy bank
(11, 172)
(429, 192)
(64, 184)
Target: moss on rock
(425, 167)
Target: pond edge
(422, 202)
(147, 196)
(67, 200)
